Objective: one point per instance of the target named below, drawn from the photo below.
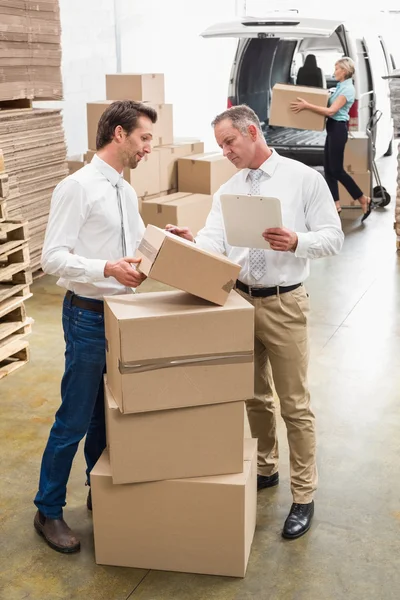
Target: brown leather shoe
(57, 534)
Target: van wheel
(389, 151)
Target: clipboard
(246, 217)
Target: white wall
(88, 52)
(164, 36)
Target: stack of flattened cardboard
(164, 171)
(178, 477)
(34, 150)
(395, 102)
(15, 277)
(30, 50)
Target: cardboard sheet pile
(34, 150)
(30, 50)
(395, 102)
(176, 487)
(174, 165)
(32, 140)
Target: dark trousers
(82, 408)
(336, 138)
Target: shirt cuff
(95, 270)
(302, 245)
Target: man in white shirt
(272, 280)
(94, 229)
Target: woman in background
(337, 114)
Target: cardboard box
(181, 264)
(182, 209)
(75, 165)
(356, 153)
(363, 180)
(142, 87)
(199, 525)
(163, 128)
(177, 443)
(170, 350)
(204, 173)
(281, 114)
(169, 161)
(95, 110)
(145, 179)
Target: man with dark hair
(93, 231)
(272, 280)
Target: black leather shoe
(298, 521)
(89, 500)
(265, 482)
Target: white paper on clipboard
(246, 217)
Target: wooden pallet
(14, 289)
(12, 234)
(15, 265)
(3, 210)
(21, 104)
(14, 354)
(4, 186)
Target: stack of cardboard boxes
(176, 487)
(174, 165)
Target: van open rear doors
(275, 25)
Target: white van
(272, 49)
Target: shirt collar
(268, 166)
(107, 170)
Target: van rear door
(277, 25)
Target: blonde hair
(348, 65)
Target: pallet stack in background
(33, 158)
(176, 488)
(15, 277)
(175, 183)
(395, 102)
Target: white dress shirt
(84, 230)
(307, 208)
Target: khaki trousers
(281, 358)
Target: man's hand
(183, 232)
(124, 272)
(299, 105)
(281, 239)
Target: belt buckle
(254, 287)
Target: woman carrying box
(337, 114)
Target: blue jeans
(82, 408)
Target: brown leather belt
(85, 303)
(263, 292)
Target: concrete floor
(353, 548)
